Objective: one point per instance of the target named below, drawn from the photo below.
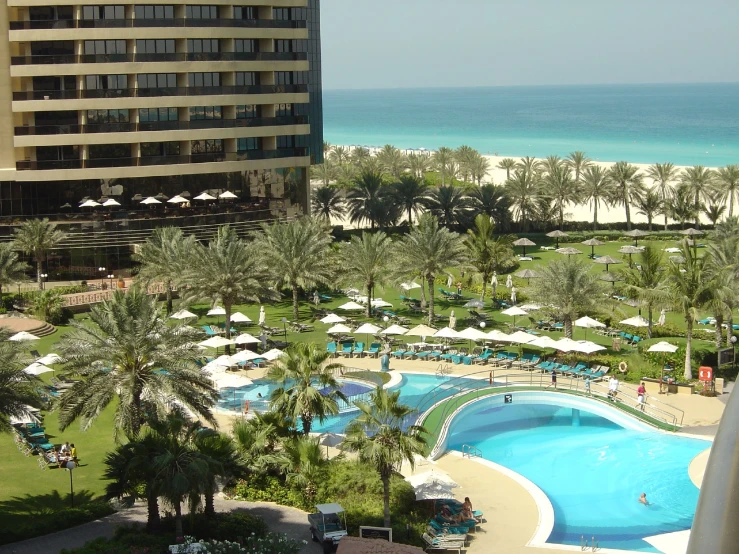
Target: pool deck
(513, 517)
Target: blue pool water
(593, 473)
(261, 389)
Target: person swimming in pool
(643, 499)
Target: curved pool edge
(697, 467)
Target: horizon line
(543, 85)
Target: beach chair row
(352, 349)
(579, 370)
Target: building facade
(114, 102)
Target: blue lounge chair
(398, 354)
(422, 355)
(331, 348)
(358, 349)
(434, 355)
(208, 331)
(346, 349)
(374, 349)
(484, 357)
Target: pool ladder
(469, 451)
(593, 546)
(443, 370)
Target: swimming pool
(591, 469)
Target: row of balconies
(155, 92)
(175, 22)
(166, 57)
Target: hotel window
(50, 13)
(204, 79)
(157, 80)
(252, 143)
(281, 14)
(248, 111)
(107, 116)
(106, 82)
(286, 141)
(103, 151)
(206, 146)
(103, 12)
(52, 48)
(53, 153)
(105, 47)
(158, 114)
(246, 78)
(205, 112)
(153, 12)
(201, 12)
(171, 148)
(291, 77)
(283, 45)
(283, 110)
(198, 45)
(246, 45)
(246, 12)
(158, 46)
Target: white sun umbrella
(566, 345)
(183, 314)
(514, 311)
(521, 337)
(216, 342)
(332, 318)
(37, 368)
(90, 204)
(204, 196)
(446, 333)
(227, 195)
(111, 202)
(432, 478)
(367, 329)
(238, 317)
(339, 328)
(224, 360)
(470, 333)
(218, 310)
(636, 321)
(231, 381)
(50, 359)
(380, 303)
(150, 200)
(422, 331)
(410, 286)
(588, 347)
(588, 323)
(662, 346)
(395, 330)
(246, 338)
(498, 336)
(544, 341)
(351, 306)
(245, 356)
(433, 492)
(23, 336)
(273, 354)
(212, 368)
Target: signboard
(705, 373)
(508, 398)
(385, 533)
(725, 356)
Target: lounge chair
(358, 349)
(442, 543)
(346, 349)
(398, 354)
(440, 526)
(331, 349)
(208, 331)
(484, 357)
(422, 355)
(374, 349)
(434, 355)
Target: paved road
(281, 519)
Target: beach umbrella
(452, 320)
(161, 196)
(592, 243)
(262, 316)
(350, 306)
(339, 328)
(224, 360)
(557, 235)
(394, 330)
(431, 478)
(521, 337)
(246, 338)
(514, 311)
(231, 381)
(238, 317)
(23, 336)
(227, 195)
(50, 359)
(183, 314)
(150, 200)
(212, 368)
(662, 346)
(204, 196)
(65, 206)
(588, 347)
(216, 342)
(524, 242)
(630, 250)
(543, 341)
(498, 336)
(380, 303)
(217, 310)
(421, 331)
(111, 202)
(566, 345)
(530, 307)
(433, 492)
(245, 356)
(90, 204)
(636, 321)
(527, 274)
(178, 200)
(330, 439)
(332, 318)
(673, 250)
(636, 234)
(410, 286)
(606, 260)
(470, 333)
(691, 232)
(272, 354)
(588, 323)
(446, 333)
(569, 251)
(37, 368)
(367, 329)
(475, 304)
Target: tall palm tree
(493, 202)
(561, 187)
(441, 160)
(410, 193)
(345, 175)
(297, 253)
(646, 281)
(597, 188)
(628, 185)
(465, 156)
(367, 200)
(479, 169)
(487, 253)
(549, 164)
(163, 258)
(382, 438)
(700, 182)
(302, 462)
(690, 288)
(430, 249)
(529, 165)
(365, 259)
(578, 162)
(307, 388)
(339, 155)
(392, 160)
(258, 438)
(727, 183)
(128, 355)
(18, 389)
(359, 157)
(224, 460)
(723, 256)
(48, 305)
(524, 190)
(325, 172)
(12, 270)
(227, 270)
(714, 210)
(508, 164)
(419, 164)
(649, 205)
(681, 205)
(37, 237)
(327, 202)
(450, 204)
(568, 284)
(663, 177)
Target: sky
(369, 44)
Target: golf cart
(328, 526)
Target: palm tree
(487, 253)
(163, 258)
(529, 165)
(723, 253)
(327, 202)
(12, 270)
(48, 305)
(523, 189)
(37, 237)
(367, 200)
(597, 187)
(419, 164)
(345, 175)
(365, 259)
(410, 193)
(450, 204)
(339, 155)
(560, 186)
(429, 249)
(479, 168)
(325, 172)
(18, 389)
(258, 437)
(392, 160)
(442, 159)
(507, 164)
(690, 288)
(302, 462)
(727, 183)
(714, 210)
(223, 459)
(578, 162)
(359, 157)
(549, 164)
(681, 206)
(227, 270)
(465, 156)
(130, 356)
(699, 181)
(382, 437)
(308, 389)
(663, 176)
(628, 186)
(493, 202)
(297, 254)
(647, 282)
(568, 284)
(649, 205)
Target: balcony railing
(210, 157)
(126, 127)
(175, 22)
(171, 57)
(154, 92)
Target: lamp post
(284, 328)
(44, 276)
(111, 277)
(102, 276)
(70, 466)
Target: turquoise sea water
(687, 124)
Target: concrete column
(7, 150)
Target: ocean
(686, 124)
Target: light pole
(44, 276)
(70, 466)
(102, 276)
(111, 276)
(284, 328)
